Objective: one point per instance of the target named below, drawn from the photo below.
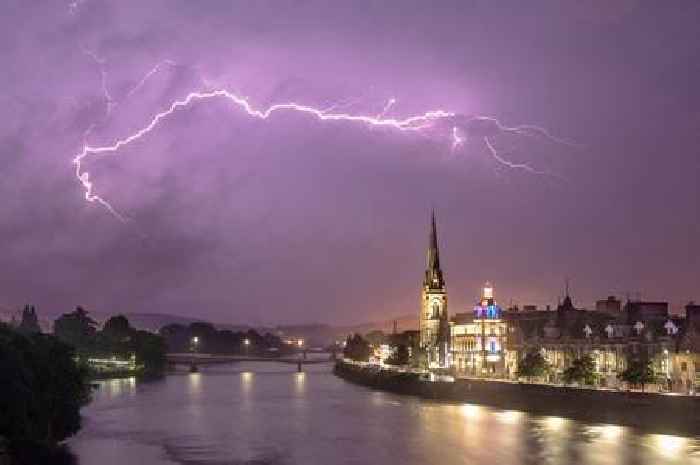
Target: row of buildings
(489, 341)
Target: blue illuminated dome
(487, 307)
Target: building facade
(612, 336)
(478, 339)
(433, 318)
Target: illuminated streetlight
(246, 342)
(300, 342)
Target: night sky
(292, 219)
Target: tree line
(42, 388)
(44, 378)
(638, 373)
(360, 349)
(116, 338)
(205, 338)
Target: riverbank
(645, 411)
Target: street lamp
(246, 343)
(195, 343)
(668, 369)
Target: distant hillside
(146, 321)
(154, 321)
(313, 334)
(321, 335)
(403, 323)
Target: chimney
(692, 313)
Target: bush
(41, 388)
(639, 372)
(533, 365)
(399, 357)
(581, 371)
(357, 348)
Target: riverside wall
(646, 411)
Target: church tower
(433, 323)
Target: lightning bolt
(460, 127)
(148, 75)
(102, 65)
(512, 165)
(457, 138)
(390, 103)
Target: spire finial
(433, 276)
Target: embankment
(646, 411)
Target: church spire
(433, 272)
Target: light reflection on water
(268, 414)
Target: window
(684, 366)
(436, 309)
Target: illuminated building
(478, 340)
(639, 331)
(433, 324)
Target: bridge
(195, 360)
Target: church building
(433, 320)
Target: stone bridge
(194, 360)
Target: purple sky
(295, 220)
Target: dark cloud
(293, 219)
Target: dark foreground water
(260, 413)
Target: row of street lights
(246, 343)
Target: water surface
(265, 413)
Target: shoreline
(649, 412)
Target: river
(265, 413)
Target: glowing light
(299, 381)
(608, 432)
(670, 446)
(300, 342)
(471, 410)
(488, 291)
(246, 342)
(510, 417)
(556, 423)
(195, 383)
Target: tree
(533, 365)
(76, 328)
(150, 350)
(357, 348)
(117, 329)
(400, 356)
(206, 336)
(582, 371)
(30, 322)
(177, 337)
(638, 372)
(376, 338)
(42, 388)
